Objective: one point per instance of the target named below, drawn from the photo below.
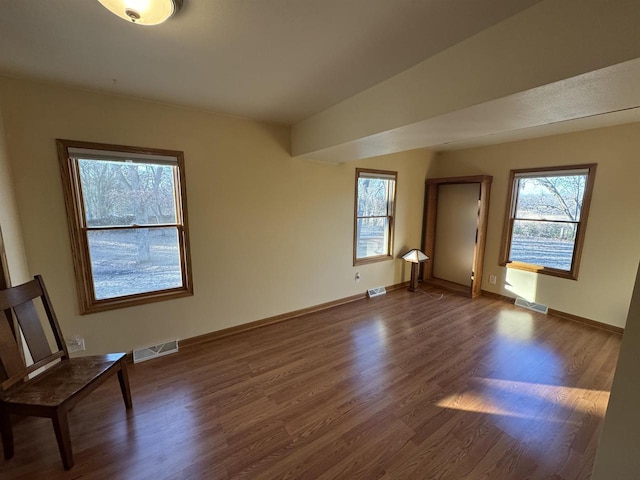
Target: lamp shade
(143, 12)
(415, 256)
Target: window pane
(127, 262)
(543, 243)
(118, 193)
(372, 237)
(372, 197)
(551, 198)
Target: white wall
(617, 456)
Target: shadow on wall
(5, 280)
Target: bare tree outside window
(131, 224)
(375, 204)
(126, 262)
(546, 222)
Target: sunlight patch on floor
(515, 325)
(370, 342)
(524, 400)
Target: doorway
(454, 232)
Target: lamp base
(413, 284)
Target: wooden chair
(56, 390)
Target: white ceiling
(556, 67)
(275, 60)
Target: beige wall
(10, 228)
(617, 457)
(269, 234)
(612, 245)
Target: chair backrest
(20, 301)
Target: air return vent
(376, 292)
(147, 353)
(536, 307)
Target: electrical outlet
(492, 279)
(357, 277)
(75, 344)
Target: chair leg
(7, 432)
(61, 427)
(123, 378)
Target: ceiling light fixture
(143, 12)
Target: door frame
(5, 282)
(429, 232)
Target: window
(547, 218)
(375, 208)
(126, 210)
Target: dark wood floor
(401, 386)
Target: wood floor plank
(423, 385)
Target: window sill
(132, 300)
(376, 259)
(554, 272)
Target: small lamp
(416, 257)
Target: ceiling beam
(534, 59)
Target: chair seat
(62, 381)
(37, 391)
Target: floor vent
(376, 292)
(536, 307)
(147, 353)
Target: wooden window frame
(78, 230)
(391, 212)
(581, 225)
